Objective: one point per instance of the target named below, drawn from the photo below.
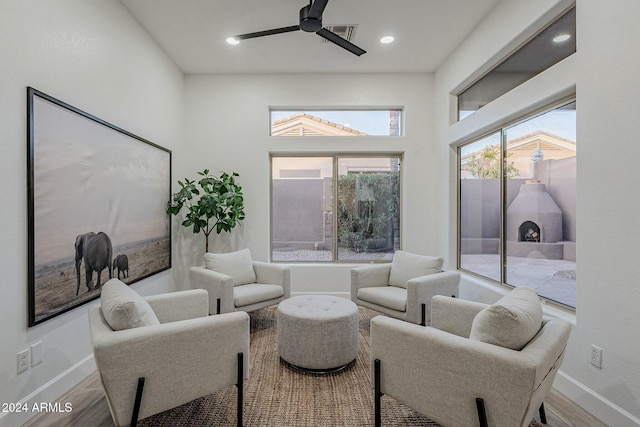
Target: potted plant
(212, 203)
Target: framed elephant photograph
(97, 200)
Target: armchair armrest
(204, 361)
(367, 276)
(454, 315)
(175, 306)
(421, 290)
(441, 374)
(273, 274)
(218, 285)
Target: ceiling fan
(310, 22)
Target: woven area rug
(280, 396)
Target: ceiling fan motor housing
(309, 23)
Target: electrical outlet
(596, 356)
(23, 360)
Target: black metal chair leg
(482, 413)
(377, 393)
(136, 403)
(423, 322)
(240, 386)
(543, 414)
(218, 306)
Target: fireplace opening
(529, 232)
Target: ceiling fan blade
(317, 7)
(345, 44)
(267, 32)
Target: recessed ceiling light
(561, 38)
(386, 39)
(232, 40)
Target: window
(549, 47)
(480, 206)
(382, 122)
(330, 208)
(517, 205)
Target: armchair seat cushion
(511, 322)
(392, 297)
(406, 266)
(237, 264)
(124, 308)
(254, 293)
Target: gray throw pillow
(237, 264)
(511, 322)
(406, 266)
(124, 308)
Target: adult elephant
(96, 250)
(121, 262)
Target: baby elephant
(121, 262)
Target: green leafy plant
(485, 164)
(367, 208)
(212, 203)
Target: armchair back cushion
(123, 308)
(237, 264)
(511, 322)
(406, 266)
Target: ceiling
(193, 34)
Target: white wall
(94, 56)
(603, 74)
(227, 119)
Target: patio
(552, 279)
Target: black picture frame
(85, 177)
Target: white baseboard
(49, 392)
(601, 408)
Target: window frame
(460, 91)
(501, 129)
(298, 109)
(335, 156)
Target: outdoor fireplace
(534, 223)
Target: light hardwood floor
(90, 409)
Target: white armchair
(403, 289)
(236, 283)
(491, 365)
(159, 352)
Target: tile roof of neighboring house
(548, 139)
(303, 124)
(544, 136)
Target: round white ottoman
(317, 332)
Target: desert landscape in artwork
(55, 283)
